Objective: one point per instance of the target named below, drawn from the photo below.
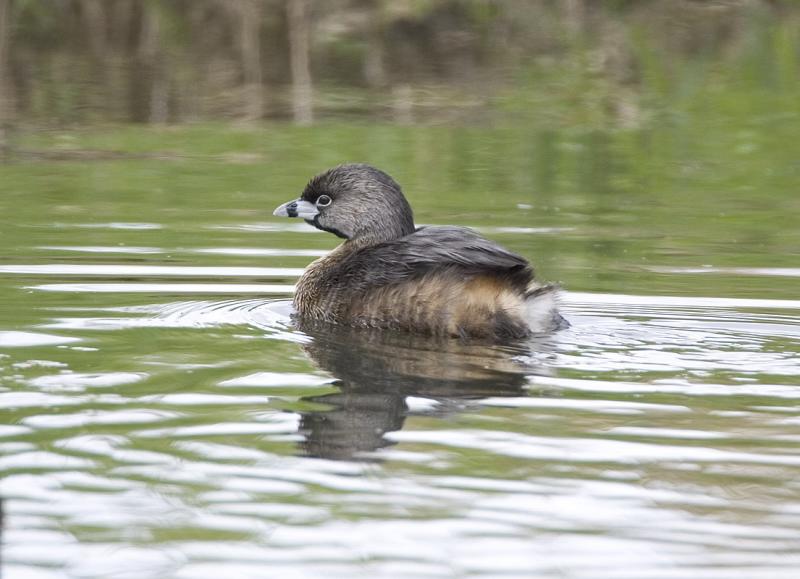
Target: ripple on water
(264, 251)
(278, 423)
(580, 450)
(291, 227)
(134, 226)
(123, 249)
(128, 271)
(272, 379)
(697, 336)
(28, 339)
(138, 250)
(672, 386)
(260, 313)
(124, 417)
(754, 271)
(70, 381)
(167, 288)
(629, 437)
(659, 302)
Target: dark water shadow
(379, 371)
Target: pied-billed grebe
(440, 280)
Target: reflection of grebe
(430, 280)
(378, 370)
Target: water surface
(162, 415)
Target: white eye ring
(323, 201)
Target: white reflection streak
(676, 301)
(155, 270)
(207, 288)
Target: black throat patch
(315, 223)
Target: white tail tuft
(541, 309)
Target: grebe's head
(355, 201)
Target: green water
(162, 416)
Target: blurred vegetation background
(589, 63)
(661, 131)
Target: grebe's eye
(323, 201)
